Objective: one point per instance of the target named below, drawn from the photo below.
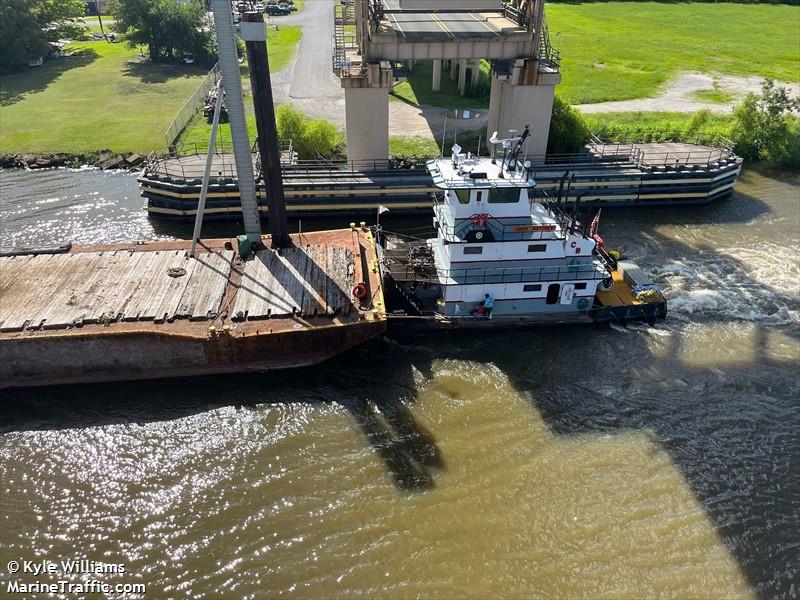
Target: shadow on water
(383, 415)
(15, 87)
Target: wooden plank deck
(307, 281)
(92, 287)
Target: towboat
(506, 254)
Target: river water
(566, 462)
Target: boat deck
(145, 310)
(620, 293)
(664, 153)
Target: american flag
(595, 223)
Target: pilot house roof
(476, 173)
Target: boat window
(504, 195)
(480, 195)
(463, 196)
(537, 248)
(552, 293)
(580, 286)
(473, 249)
(532, 287)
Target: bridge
(375, 40)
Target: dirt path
(679, 96)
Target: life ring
(478, 235)
(360, 291)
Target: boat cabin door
(481, 195)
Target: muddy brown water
(571, 462)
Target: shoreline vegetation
(109, 96)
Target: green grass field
(281, 45)
(105, 97)
(619, 122)
(622, 50)
(417, 88)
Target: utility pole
(255, 38)
(99, 17)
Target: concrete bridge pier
(524, 97)
(436, 84)
(367, 113)
(462, 76)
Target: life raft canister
(360, 291)
(480, 220)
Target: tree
(168, 28)
(26, 27)
(765, 127)
(311, 138)
(568, 130)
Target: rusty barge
(143, 311)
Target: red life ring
(360, 291)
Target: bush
(765, 128)
(311, 138)
(568, 130)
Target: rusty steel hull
(51, 334)
(95, 357)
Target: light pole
(99, 17)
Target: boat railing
(640, 147)
(501, 231)
(187, 161)
(478, 275)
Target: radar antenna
(514, 142)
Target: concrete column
(410, 65)
(437, 75)
(476, 73)
(462, 76)
(514, 106)
(453, 69)
(367, 122)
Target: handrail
(466, 275)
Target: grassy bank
(103, 97)
(622, 50)
(106, 96)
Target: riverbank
(104, 96)
(104, 159)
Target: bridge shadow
(15, 87)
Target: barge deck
(149, 310)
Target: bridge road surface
(443, 27)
